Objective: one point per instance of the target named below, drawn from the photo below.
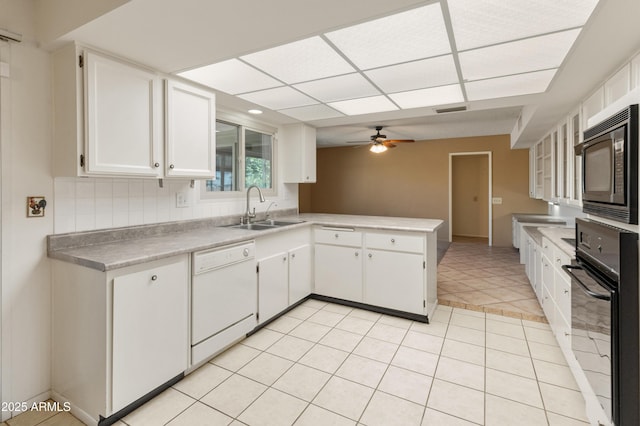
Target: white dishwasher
(224, 298)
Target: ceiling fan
(379, 142)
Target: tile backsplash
(84, 204)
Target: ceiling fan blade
(401, 140)
(359, 142)
(388, 144)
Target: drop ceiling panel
(232, 76)
(484, 22)
(532, 54)
(415, 75)
(502, 87)
(303, 60)
(338, 88)
(429, 97)
(279, 98)
(364, 105)
(312, 112)
(414, 34)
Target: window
(244, 157)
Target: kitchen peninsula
(132, 289)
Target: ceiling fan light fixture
(378, 148)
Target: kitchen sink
(253, 226)
(266, 224)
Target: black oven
(604, 316)
(610, 167)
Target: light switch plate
(496, 200)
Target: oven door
(593, 302)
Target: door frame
(490, 187)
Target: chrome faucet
(250, 215)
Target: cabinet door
(123, 133)
(150, 330)
(299, 142)
(338, 272)
(299, 273)
(394, 280)
(191, 131)
(273, 286)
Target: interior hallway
(474, 276)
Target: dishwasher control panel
(208, 260)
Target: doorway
(470, 209)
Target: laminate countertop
(538, 218)
(110, 249)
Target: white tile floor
(325, 364)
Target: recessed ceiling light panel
(303, 60)
(279, 98)
(407, 36)
(415, 75)
(429, 97)
(514, 85)
(531, 54)
(232, 76)
(364, 105)
(484, 22)
(312, 112)
(338, 88)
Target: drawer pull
(337, 235)
(393, 240)
(357, 254)
(370, 255)
(566, 292)
(293, 255)
(154, 277)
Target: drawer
(547, 248)
(560, 258)
(562, 295)
(338, 236)
(395, 242)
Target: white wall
(26, 151)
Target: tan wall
(470, 195)
(412, 180)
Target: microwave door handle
(568, 268)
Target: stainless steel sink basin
(253, 226)
(265, 224)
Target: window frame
(244, 124)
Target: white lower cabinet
(284, 270)
(117, 335)
(150, 325)
(273, 285)
(394, 280)
(380, 268)
(339, 272)
(299, 273)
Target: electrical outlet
(496, 200)
(182, 200)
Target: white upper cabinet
(122, 132)
(299, 143)
(190, 131)
(110, 120)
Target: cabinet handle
(357, 254)
(156, 165)
(393, 240)
(284, 258)
(171, 166)
(245, 252)
(154, 277)
(567, 334)
(566, 292)
(293, 255)
(370, 255)
(336, 235)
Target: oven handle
(568, 268)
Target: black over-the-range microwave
(610, 167)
